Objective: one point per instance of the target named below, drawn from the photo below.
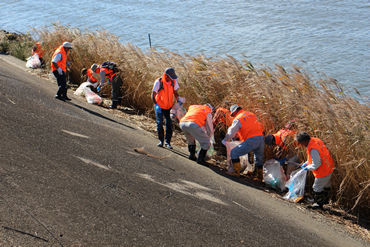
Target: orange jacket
(62, 63)
(90, 75)
(250, 125)
(39, 51)
(196, 114)
(223, 115)
(280, 136)
(164, 97)
(327, 163)
(108, 72)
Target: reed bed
(275, 95)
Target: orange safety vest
(280, 136)
(250, 125)
(108, 72)
(223, 116)
(90, 75)
(164, 97)
(62, 63)
(196, 114)
(327, 163)
(39, 51)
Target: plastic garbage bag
(80, 90)
(33, 62)
(210, 151)
(273, 175)
(178, 111)
(92, 97)
(245, 166)
(296, 185)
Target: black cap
(171, 73)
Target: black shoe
(202, 157)
(160, 144)
(59, 97)
(66, 98)
(168, 145)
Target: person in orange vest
(109, 70)
(322, 166)
(197, 125)
(90, 74)
(37, 49)
(163, 91)
(59, 68)
(284, 145)
(250, 134)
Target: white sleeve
(316, 160)
(233, 129)
(57, 58)
(209, 124)
(102, 77)
(156, 86)
(176, 86)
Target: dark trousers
(116, 88)
(62, 83)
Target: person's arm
(175, 88)
(233, 129)
(155, 91)
(56, 59)
(209, 124)
(316, 160)
(153, 97)
(102, 77)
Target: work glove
(304, 166)
(178, 101)
(60, 71)
(68, 63)
(108, 81)
(98, 88)
(224, 142)
(282, 161)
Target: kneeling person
(192, 124)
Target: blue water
(332, 37)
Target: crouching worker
(109, 70)
(192, 124)
(90, 73)
(250, 134)
(322, 166)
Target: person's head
(270, 141)
(303, 138)
(234, 109)
(84, 71)
(170, 74)
(94, 67)
(213, 110)
(67, 46)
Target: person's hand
(282, 161)
(98, 88)
(224, 142)
(68, 63)
(60, 71)
(178, 101)
(108, 81)
(304, 166)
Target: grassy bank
(275, 95)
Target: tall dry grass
(275, 95)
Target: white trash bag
(33, 62)
(92, 97)
(296, 185)
(178, 111)
(245, 166)
(273, 174)
(80, 90)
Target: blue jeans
(160, 113)
(255, 144)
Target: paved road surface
(69, 176)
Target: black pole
(150, 42)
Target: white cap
(67, 45)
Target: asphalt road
(69, 176)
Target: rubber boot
(65, 95)
(161, 138)
(59, 94)
(202, 157)
(259, 175)
(191, 149)
(114, 104)
(236, 165)
(319, 201)
(326, 195)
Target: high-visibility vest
(62, 63)
(250, 125)
(197, 114)
(281, 135)
(39, 51)
(327, 163)
(108, 72)
(90, 75)
(164, 97)
(223, 116)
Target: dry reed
(275, 95)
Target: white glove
(95, 84)
(224, 142)
(60, 71)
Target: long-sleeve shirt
(233, 129)
(316, 160)
(209, 124)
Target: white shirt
(233, 130)
(316, 160)
(57, 58)
(157, 85)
